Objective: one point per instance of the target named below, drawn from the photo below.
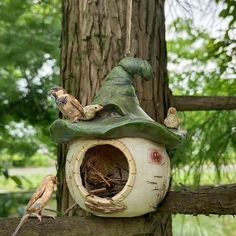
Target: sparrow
(172, 120)
(38, 201)
(71, 107)
(67, 104)
(90, 111)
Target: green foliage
(200, 64)
(204, 225)
(13, 202)
(29, 39)
(211, 140)
(14, 197)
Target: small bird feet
(75, 120)
(36, 215)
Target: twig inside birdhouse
(104, 171)
(99, 190)
(100, 175)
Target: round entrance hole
(104, 171)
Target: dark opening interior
(104, 171)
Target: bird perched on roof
(90, 111)
(38, 201)
(71, 107)
(67, 104)
(172, 120)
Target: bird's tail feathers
(23, 220)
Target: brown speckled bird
(38, 201)
(67, 104)
(172, 120)
(71, 107)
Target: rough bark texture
(148, 42)
(205, 200)
(81, 226)
(93, 41)
(196, 103)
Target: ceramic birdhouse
(117, 164)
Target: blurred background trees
(29, 49)
(201, 61)
(29, 52)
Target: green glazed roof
(122, 116)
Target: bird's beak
(101, 107)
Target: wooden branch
(197, 103)
(204, 200)
(89, 225)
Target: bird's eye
(96, 108)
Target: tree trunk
(93, 41)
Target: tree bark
(92, 42)
(200, 103)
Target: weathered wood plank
(197, 103)
(72, 226)
(204, 200)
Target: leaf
(224, 13)
(5, 173)
(17, 180)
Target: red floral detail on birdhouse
(155, 157)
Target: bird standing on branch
(38, 201)
(172, 120)
(71, 107)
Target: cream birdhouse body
(147, 180)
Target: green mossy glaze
(117, 88)
(130, 120)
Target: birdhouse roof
(122, 115)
